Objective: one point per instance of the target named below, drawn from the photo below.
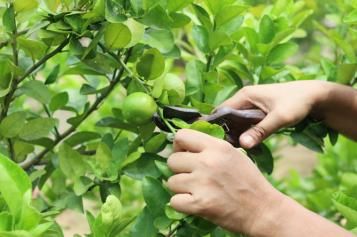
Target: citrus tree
(80, 81)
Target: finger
(262, 130)
(192, 141)
(241, 100)
(182, 162)
(180, 183)
(183, 203)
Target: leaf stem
(36, 159)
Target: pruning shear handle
(234, 122)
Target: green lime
(174, 91)
(138, 108)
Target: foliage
(67, 66)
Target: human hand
(220, 183)
(285, 104)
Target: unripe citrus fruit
(138, 108)
(174, 90)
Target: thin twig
(14, 84)
(6, 42)
(35, 160)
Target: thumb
(259, 132)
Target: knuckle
(225, 146)
(171, 160)
(245, 90)
(174, 202)
(171, 183)
(181, 134)
(259, 132)
(199, 206)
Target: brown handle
(235, 121)
(252, 116)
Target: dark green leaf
(151, 64)
(8, 19)
(59, 101)
(37, 90)
(13, 124)
(37, 128)
(262, 156)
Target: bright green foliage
(80, 81)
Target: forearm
(290, 219)
(337, 107)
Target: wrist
(321, 95)
(269, 220)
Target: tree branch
(35, 160)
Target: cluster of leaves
(67, 66)
(331, 189)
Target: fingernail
(247, 141)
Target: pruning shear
(234, 122)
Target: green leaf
(201, 37)
(266, 29)
(347, 206)
(37, 128)
(116, 36)
(144, 166)
(173, 6)
(213, 130)
(203, 16)
(81, 138)
(262, 156)
(37, 90)
(103, 164)
(33, 48)
(27, 5)
(144, 225)
(15, 186)
(22, 149)
(155, 195)
(346, 73)
(12, 125)
(52, 77)
(308, 140)
(157, 17)
(173, 214)
(59, 101)
(114, 12)
(351, 18)
(71, 162)
(282, 52)
(8, 19)
(151, 64)
(218, 39)
(164, 169)
(156, 143)
(228, 14)
(214, 5)
(194, 79)
(6, 221)
(163, 40)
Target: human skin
(288, 103)
(218, 182)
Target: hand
(220, 183)
(285, 104)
